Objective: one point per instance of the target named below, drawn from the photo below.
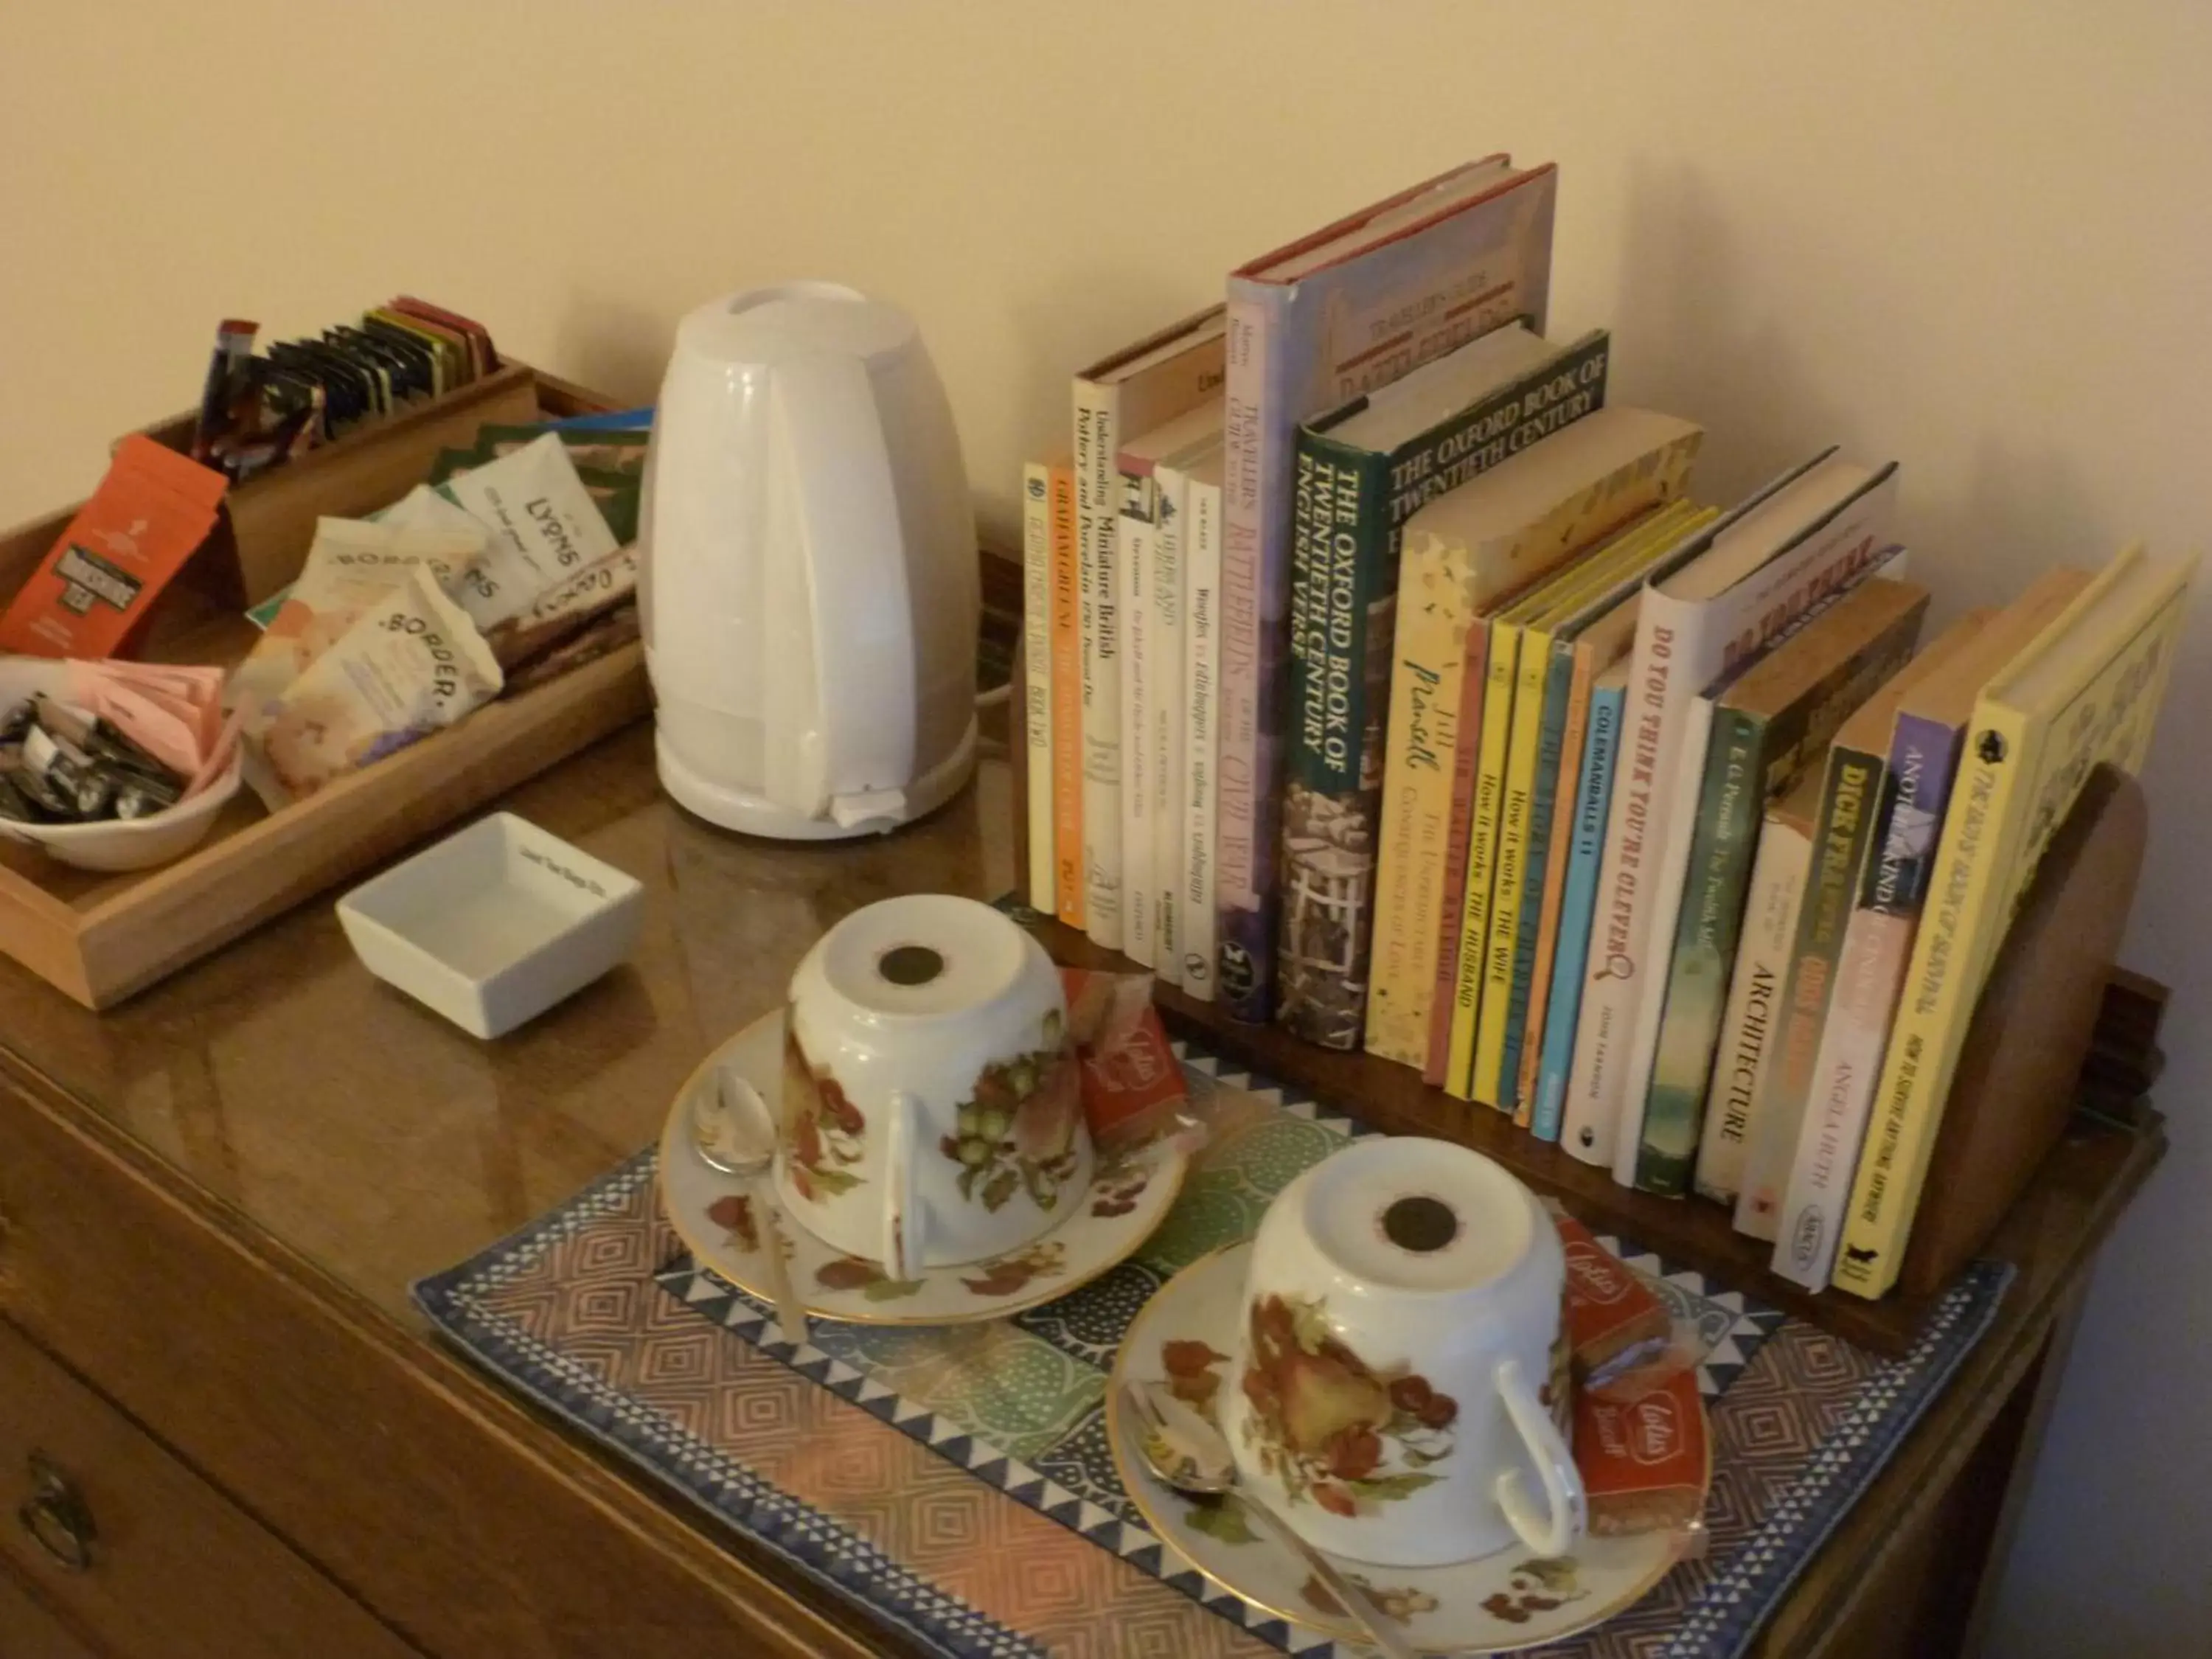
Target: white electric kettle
(809, 591)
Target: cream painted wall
(1977, 237)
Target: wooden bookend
(2020, 1071)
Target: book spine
(1593, 799)
(1498, 1033)
(1255, 569)
(1682, 646)
(1171, 722)
(1474, 685)
(1343, 610)
(1942, 980)
(1924, 759)
(1542, 886)
(1483, 835)
(1068, 778)
(1420, 754)
(1096, 491)
(1594, 1087)
(1849, 796)
(1549, 399)
(1705, 937)
(1567, 748)
(1202, 655)
(1922, 756)
(1867, 973)
(1671, 872)
(1746, 1052)
(1132, 559)
(1036, 686)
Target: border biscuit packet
(543, 522)
(351, 564)
(420, 509)
(412, 664)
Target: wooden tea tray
(98, 938)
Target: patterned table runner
(956, 1483)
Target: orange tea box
(150, 512)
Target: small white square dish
(493, 925)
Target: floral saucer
(1130, 1194)
(1498, 1604)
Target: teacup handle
(906, 1216)
(1553, 1530)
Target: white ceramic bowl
(493, 925)
(112, 843)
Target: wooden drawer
(28, 1631)
(469, 1527)
(138, 1549)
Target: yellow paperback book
(1464, 553)
(2088, 689)
(1555, 602)
(1489, 869)
(1592, 641)
(1503, 666)
(1438, 597)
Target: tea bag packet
(544, 523)
(352, 564)
(618, 451)
(567, 608)
(618, 494)
(604, 637)
(125, 545)
(424, 508)
(411, 664)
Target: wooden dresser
(224, 1431)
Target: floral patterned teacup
(1390, 1394)
(932, 1108)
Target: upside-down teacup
(1393, 1394)
(933, 1109)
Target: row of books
(1159, 566)
(1603, 808)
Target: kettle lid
(788, 320)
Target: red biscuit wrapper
(1645, 1462)
(1612, 1317)
(1132, 1085)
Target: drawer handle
(57, 1517)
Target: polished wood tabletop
(384, 1143)
(337, 1123)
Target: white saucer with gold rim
(1129, 1197)
(1500, 1603)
